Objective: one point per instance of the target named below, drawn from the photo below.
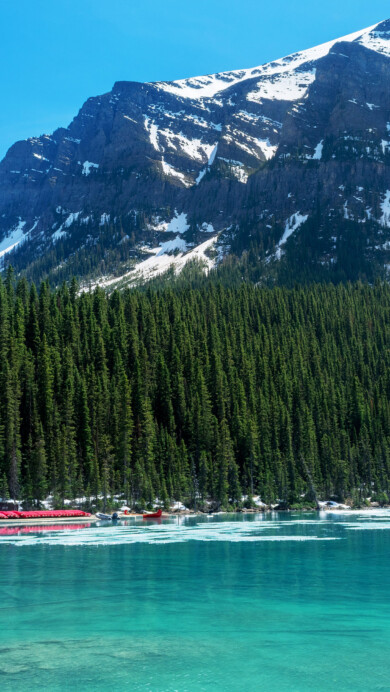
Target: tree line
(194, 393)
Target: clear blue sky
(56, 53)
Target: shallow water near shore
(282, 601)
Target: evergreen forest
(198, 393)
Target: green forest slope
(208, 391)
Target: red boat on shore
(153, 515)
(45, 514)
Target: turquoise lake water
(222, 603)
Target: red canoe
(45, 514)
(153, 515)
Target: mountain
(286, 163)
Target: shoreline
(48, 520)
(93, 519)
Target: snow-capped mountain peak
(208, 86)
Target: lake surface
(223, 603)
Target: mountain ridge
(306, 55)
(151, 175)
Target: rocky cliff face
(289, 159)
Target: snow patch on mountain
(236, 168)
(88, 166)
(152, 130)
(212, 155)
(317, 156)
(104, 219)
(58, 234)
(163, 139)
(283, 87)
(173, 172)
(268, 149)
(377, 41)
(127, 117)
(385, 207)
(207, 228)
(202, 87)
(292, 224)
(178, 224)
(247, 117)
(159, 263)
(231, 162)
(240, 174)
(202, 122)
(15, 237)
(73, 216)
(346, 213)
(157, 224)
(251, 145)
(70, 219)
(196, 149)
(201, 175)
(172, 245)
(192, 118)
(73, 139)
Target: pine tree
(39, 482)
(4, 492)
